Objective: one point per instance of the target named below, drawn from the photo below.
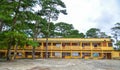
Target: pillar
(41, 55)
(51, 54)
(81, 54)
(61, 54)
(91, 45)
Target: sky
(86, 14)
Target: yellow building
(87, 48)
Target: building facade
(86, 48)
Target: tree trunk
(33, 53)
(33, 50)
(46, 47)
(8, 53)
(15, 53)
(47, 36)
(1, 26)
(35, 40)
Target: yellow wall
(115, 54)
(70, 48)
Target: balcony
(96, 48)
(66, 48)
(28, 47)
(86, 48)
(76, 48)
(39, 48)
(107, 48)
(48, 48)
(56, 48)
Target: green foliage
(116, 35)
(50, 9)
(117, 26)
(66, 30)
(96, 33)
(74, 34)
(32, 43)
(92, 33)
(62, 29)
(118, 45)
(13, 38)
(116, 31)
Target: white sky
(86, 14)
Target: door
(108, 55)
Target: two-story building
(87, 48)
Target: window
(65, 44)
(104, 43)
(27, 45)
(75, 54)
(75, 44)
(57, 44)
(85, 54)
(85, 44)
(19, 54)
(39, 44)
(96, 54)
(109, 44)
(49, 44)
(65, 54)
(12, 53)
(58, 54)
(96, 44)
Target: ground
(60, 64)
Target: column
(71, 45)
(71, 54)
(81, 45)
(61, 46)
(51, 50)
(42, 46)
(81, 54)
(71, 49)
(61, 54)
(51, 54)
(51, 46)
(91, 45)
(41, 55)
(91, 53)
(106, 44)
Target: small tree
(12, 39)
(116, 33)
(118, 45)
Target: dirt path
(61, 64)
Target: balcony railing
(66, 48)
(76, 48)
(56, 48)
(28, 47)
(86, 48)
(107, 48)
(69, 48)
(96, 48)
